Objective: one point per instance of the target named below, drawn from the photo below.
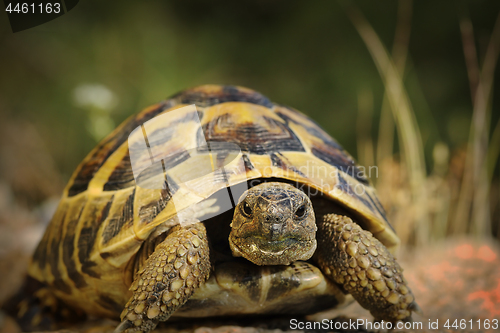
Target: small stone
(138, 322)
(348, 227)
(346, 235)
(363, 283)
(352, 263)
(353, 284)
(375, 263)
(355, 238)
(163, 308)
(171, 257)
(385, 293)
(177, 295)
(175, 302)
(142, 296)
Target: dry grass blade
(474, 192)
(408, 131)
(385, 144)
(493, 151)
(364, 125)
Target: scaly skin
(273, 224)
(355, 259)
(177, 267)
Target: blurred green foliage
(305, 54)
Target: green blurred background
(73, 79)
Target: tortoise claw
(415, 308)
(124, 325)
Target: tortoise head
(273, 224)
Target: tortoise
(305, 231)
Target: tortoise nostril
(272, 219)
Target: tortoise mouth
(262, 251)
(273, 246)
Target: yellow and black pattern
(103, 218)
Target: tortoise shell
(104, 217)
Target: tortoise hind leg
(356, 260)
(36, 308)
(168, 278)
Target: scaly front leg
(177, 267)
(356, 260)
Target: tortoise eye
(301, 211)
(247, 210)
